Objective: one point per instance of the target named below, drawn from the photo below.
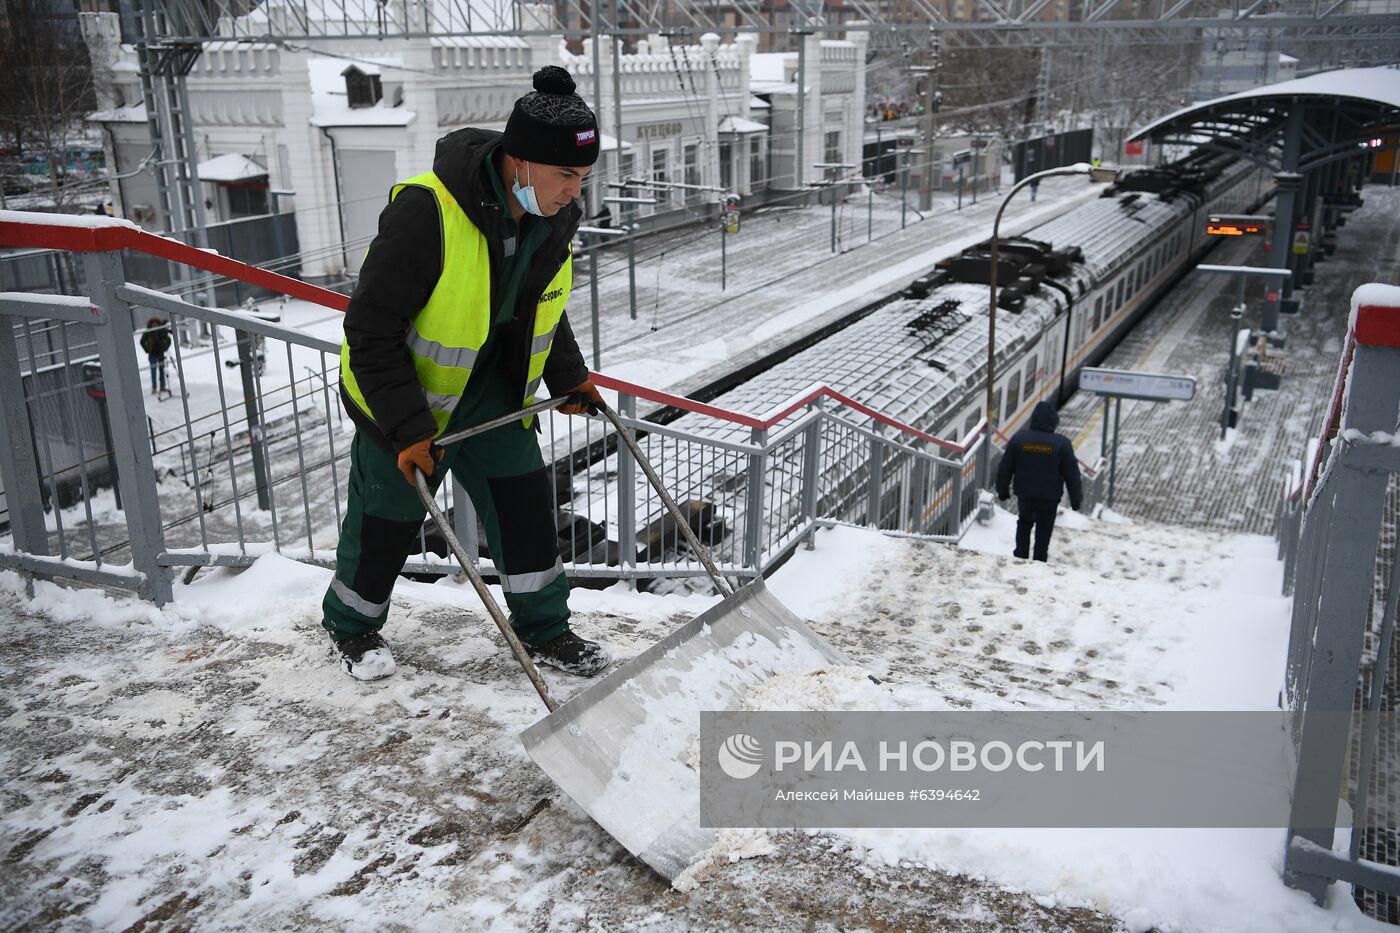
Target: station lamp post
(1096, 173)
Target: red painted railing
(105, 237)
(95, 235)
(1371, 326)
(775, 416)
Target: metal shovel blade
(626, 749)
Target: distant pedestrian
(1035, 189)
(156, 342)
(1043, 465)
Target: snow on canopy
(1378, 86)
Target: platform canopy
(1335, 113)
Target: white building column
(709, 148)
(544, 50)
(312, 171)
(855, 114)
(813, 148)
(744, 45)
(420, 98)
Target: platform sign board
(1237, 225)
(731, 213)
(1123, 383)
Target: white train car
(922, 360)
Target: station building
(321, 129)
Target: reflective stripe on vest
(446, 336)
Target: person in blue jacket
(1044, 466)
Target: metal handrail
(110, 234)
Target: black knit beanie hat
(552, 125)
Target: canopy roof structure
(1315, 135)
(1338, 112)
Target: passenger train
(1069, 290)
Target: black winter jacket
(400, 272)
(156, 341)
(1042, 462)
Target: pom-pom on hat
(552, 125)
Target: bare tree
(47, 89)
(1134, 84)
(988, 90)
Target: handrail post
(811, 472)
(464, 520)
(19, 467)
(983, 471)
(627, 496)
(958, 514)
(918, 478)
(126, 408)
(753, 504)
(877, 478)
(1348, 526)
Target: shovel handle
(425, 495)
(703, 553)
(538, 408)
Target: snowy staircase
(1125, 616)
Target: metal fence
(1345, 580)
(1056, 149)
(269, 241)
(247, 452)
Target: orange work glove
(420, 455)
(585, 399)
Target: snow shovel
(624, 747)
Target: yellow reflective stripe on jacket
(446, 336)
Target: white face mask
(526, 195)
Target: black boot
(364, 657)
(572, 655)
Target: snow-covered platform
(205, 765)
(1172, 465)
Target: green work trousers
(504, 475)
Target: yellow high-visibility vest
(448, 333)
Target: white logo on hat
(586, 137)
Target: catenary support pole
(800, 23)
(723, 253)
(1288, 182)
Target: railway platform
(1172, 465)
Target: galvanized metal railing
(1329, 535)
(246, 453)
